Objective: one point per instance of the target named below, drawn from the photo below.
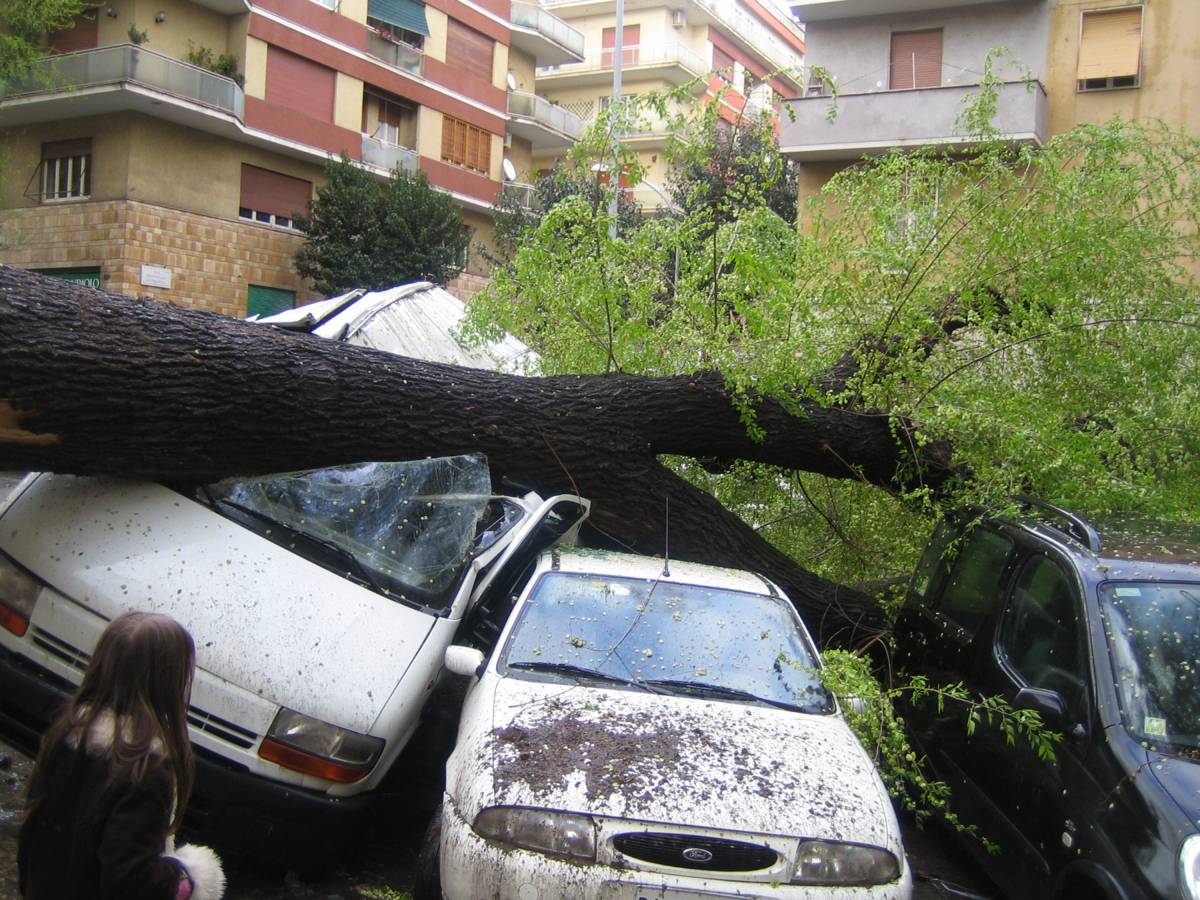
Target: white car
(658, 731)
(321, 604)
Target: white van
(321, 604)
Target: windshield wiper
(578, 671)
(362, 572)
(705, 689)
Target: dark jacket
(83, 842)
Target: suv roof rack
(1076, 526)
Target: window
(973, 590)
(272, 198)
(469, 50)
(396, 34)
(722, 64)
(300, 84)
(632, 37)
(916, 60)
(266, 301)
(465, 145)
(1110, 50)
(66, 170)
(396, 121)
(1040, 634)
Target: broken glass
(405, 529)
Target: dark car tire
(427, 879)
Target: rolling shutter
(1110, 45)
(630, 41)
(300, 84)
(722, 63)
(406, 14)
(469, 50)
(270, 192)
(916, 59)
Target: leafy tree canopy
(26, 25)
(364, 233)
(1033, 306)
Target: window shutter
(300, 84)
(270, 192)
(1110, 45)
(61, 149)
(916, 59)
(469, 49)
(722, 63)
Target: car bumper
(472, 868)
(230, 808)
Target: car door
(946, 626)
(1040, 644)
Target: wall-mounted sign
(89, 275)
(156, 276)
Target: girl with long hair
(113, 777)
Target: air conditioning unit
(678, 18)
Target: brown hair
(140, 675)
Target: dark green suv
(1098, 628)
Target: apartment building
(750, 47)
(903, 68)
(166, 147)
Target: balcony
(542, 123)
(114, 79)
(543, 35)
(396, 54)
(521, 194)
(870, 124)
(824, 10)
(755, 36)
(381, 155)
(675, 63)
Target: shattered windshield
(1154, 635)
(667, 638)
(404, 529)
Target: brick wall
(212, 260)
(466, 285)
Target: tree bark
(95, 383)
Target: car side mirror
(1052, 708)
(464, 660)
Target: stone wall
(212, 261)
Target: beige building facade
(749, 53)
(166, 147)
(903, 68)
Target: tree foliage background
(364, 233)
(1033, 306)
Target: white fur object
(204, 866)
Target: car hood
(263, 618)
(653, 757)
(1180, 778)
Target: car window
(973, 590)
(936, 560)
(668, 635)
(1154, 637)
(1041, 633)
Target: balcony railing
(126, 63)
(878, 121)
(522, 194)
(389, 156)
(396, 54)
(550, 26)
(633, 57)
(542, 112)
(756, 34)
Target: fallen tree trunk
(94, 383)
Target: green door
(266, 301)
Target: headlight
(828, 862)
(18, 595)
(1189, 868)
(566, 835)
(304, 744)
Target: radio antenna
(666, 572)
